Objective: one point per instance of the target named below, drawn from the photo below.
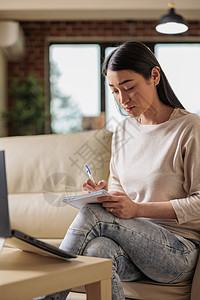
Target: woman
(146, 225)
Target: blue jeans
(138, 248)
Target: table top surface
(19, 267)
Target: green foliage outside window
(26, 114)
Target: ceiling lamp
(171, 23)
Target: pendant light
(171, 23)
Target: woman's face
(132, 91)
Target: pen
(89, 173)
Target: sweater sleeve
(115, 184)
(188, 209)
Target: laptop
(15, 238)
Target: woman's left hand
(120, 205)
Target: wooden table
(25, 275)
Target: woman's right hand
(90, 186)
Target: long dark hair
(139, 58)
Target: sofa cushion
(43, 169)
(32, 162)
(32, 214)
(147, 290)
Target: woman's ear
(155, 73)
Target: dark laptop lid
(5, 230)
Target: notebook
(15, 238)
(79, 201)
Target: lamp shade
(172, 23)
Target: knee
(101, 247)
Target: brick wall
(38, 33)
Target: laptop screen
(5, 230)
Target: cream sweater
(161, 163)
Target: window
(79, 89)
(75, 85)
(181, 64)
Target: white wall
(94, 9)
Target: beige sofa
(43, 169)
